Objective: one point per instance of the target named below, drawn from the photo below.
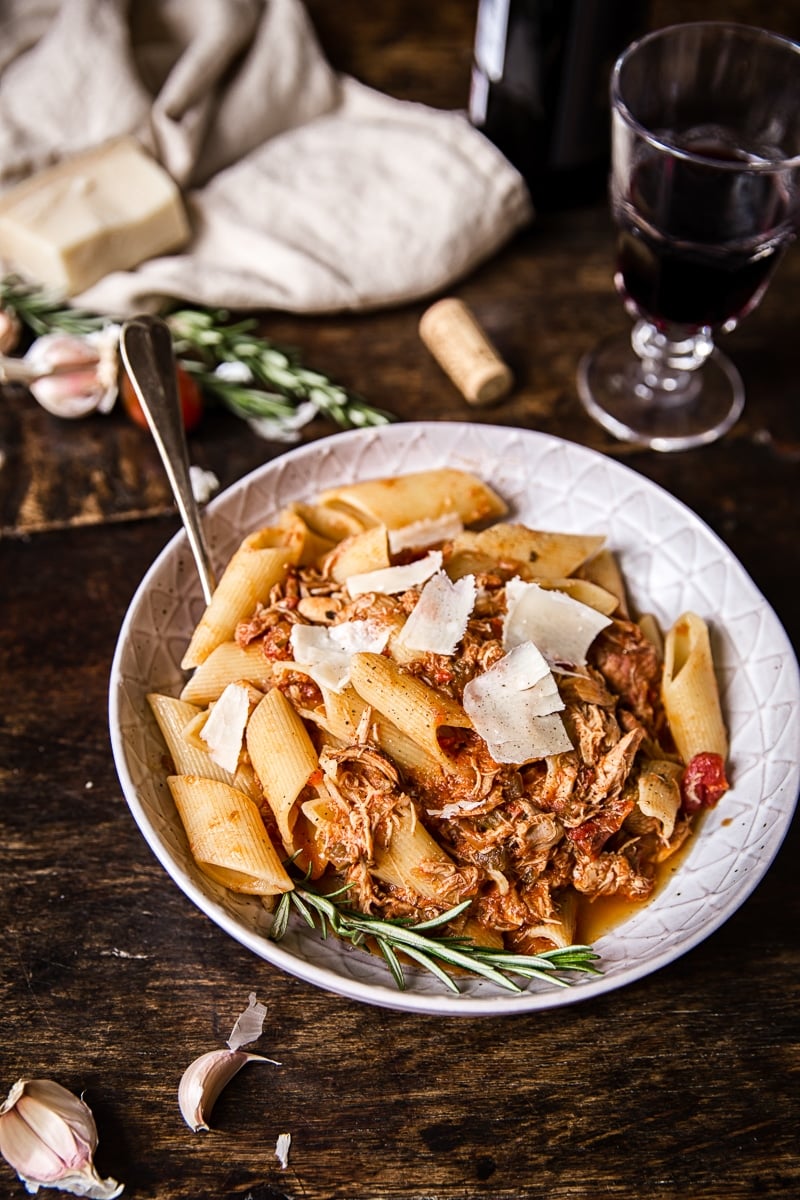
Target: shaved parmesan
(223, 732)
(391, 580)
(514, 707)
(563, 629)
(438, 620)
(458, 808)
(430, 531)
(323, 652)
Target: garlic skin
(249, 1025)
(282, 1147)
(48, 1135)
(204, 1079)
(75, 376)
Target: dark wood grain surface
(683, 1085)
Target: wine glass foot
(616, 393)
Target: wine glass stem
(670, 359)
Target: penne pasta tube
(188, 756)
(411, 858)
(603, 570)
(343, 713)
(483, 935)
(331, 522)
(245, 780)
(648, 623)
(417, 496)
(312, 545)
(227, 837)
(193, 729)
(585, 592)
(560, 930)
(418, 710)
(283, 758)
(228, 663)
(689, 690)
(534, 554)
(260, 562)
(367, 551)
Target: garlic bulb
(72, 376)
(48, 1135)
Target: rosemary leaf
(430, 964)
(393, 963)
(297, 901)
(443, 918)
(280, 920)
(45, 313)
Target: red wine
(698, 244)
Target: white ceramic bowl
(672, 561)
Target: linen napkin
(306, 191)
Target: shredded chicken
(519, 841)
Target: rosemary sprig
(396, 938)
(264, 384)
(256, 379)
(43, 312)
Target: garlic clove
(23, 1150)
(48, 1135)
(69, 395)
(203, 1081)
(43, 1099)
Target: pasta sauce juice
(604, 914)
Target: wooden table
(684, 1085)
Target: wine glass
(704, 195)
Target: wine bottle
(540, 89)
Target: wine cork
(461, 348)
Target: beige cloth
(307, 191)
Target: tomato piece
(703, 783)
(189, 394)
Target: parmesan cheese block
(106, 210)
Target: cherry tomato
(188, 392)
